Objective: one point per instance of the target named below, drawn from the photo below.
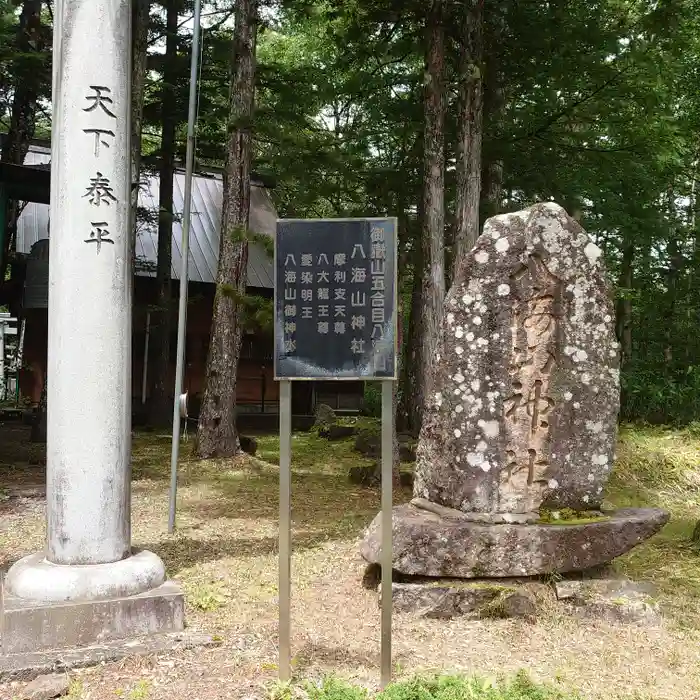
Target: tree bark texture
(492, 107)
(433, 233)
(140, 13)
(28, 73)
(217, 434)
(624, 305)
(411, 397)
(470, 109)
(160, 406)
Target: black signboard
(335, 299)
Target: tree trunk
(410, 408)
(140, 13)
(38, 433)
(491, 161)
(160, 407)
(624, 305)
(217, 434)
(470, 111)
(433, 234)
(676, 263)
(491, 190)
(28, 77)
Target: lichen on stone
(528, 372)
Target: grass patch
(311, 453)
(661, 467)
(439, 687)
(460, 688)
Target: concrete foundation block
(34, 627)
(27, 667)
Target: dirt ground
(224, 554)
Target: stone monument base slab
(443, 599)
(427, 544)
(26, 667)
(29, 626)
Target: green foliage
(447, 687)
(440, 687)
(332, 688)
(207, 598)
(600, 112)
(265, 241)
(372, 400)
(602, 116)
(239, 234)
(653, 395)
(255, 312)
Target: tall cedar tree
(470, 114)
(160, 406)
(140, 12)
(28, 77)
(217, 435)
(433, 228)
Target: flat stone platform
(428, 544)
(30, 627)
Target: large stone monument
(520, 428)
(89, 586)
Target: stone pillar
(90, 289)
(89, 555)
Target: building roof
(207, 194)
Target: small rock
(695, 537)
(407, 451)
(613, 600)
(248, 444)
(325, 416)
(444, 599)
(339, 432)
(368, 443)
(518, 603)
(372, 577)
(46, 688)
(365, 475)
(406, 479)
(371, 475)
(582, 590)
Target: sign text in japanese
(335, 299)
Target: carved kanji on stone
(525, 400)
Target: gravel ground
(224, 555)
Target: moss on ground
(569, 516)
(660, 467)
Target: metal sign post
(387, 503)
(184, 275)
(285, 535)
(335, 319)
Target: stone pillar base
(40, 626)
(49, 606)
(36, 578)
